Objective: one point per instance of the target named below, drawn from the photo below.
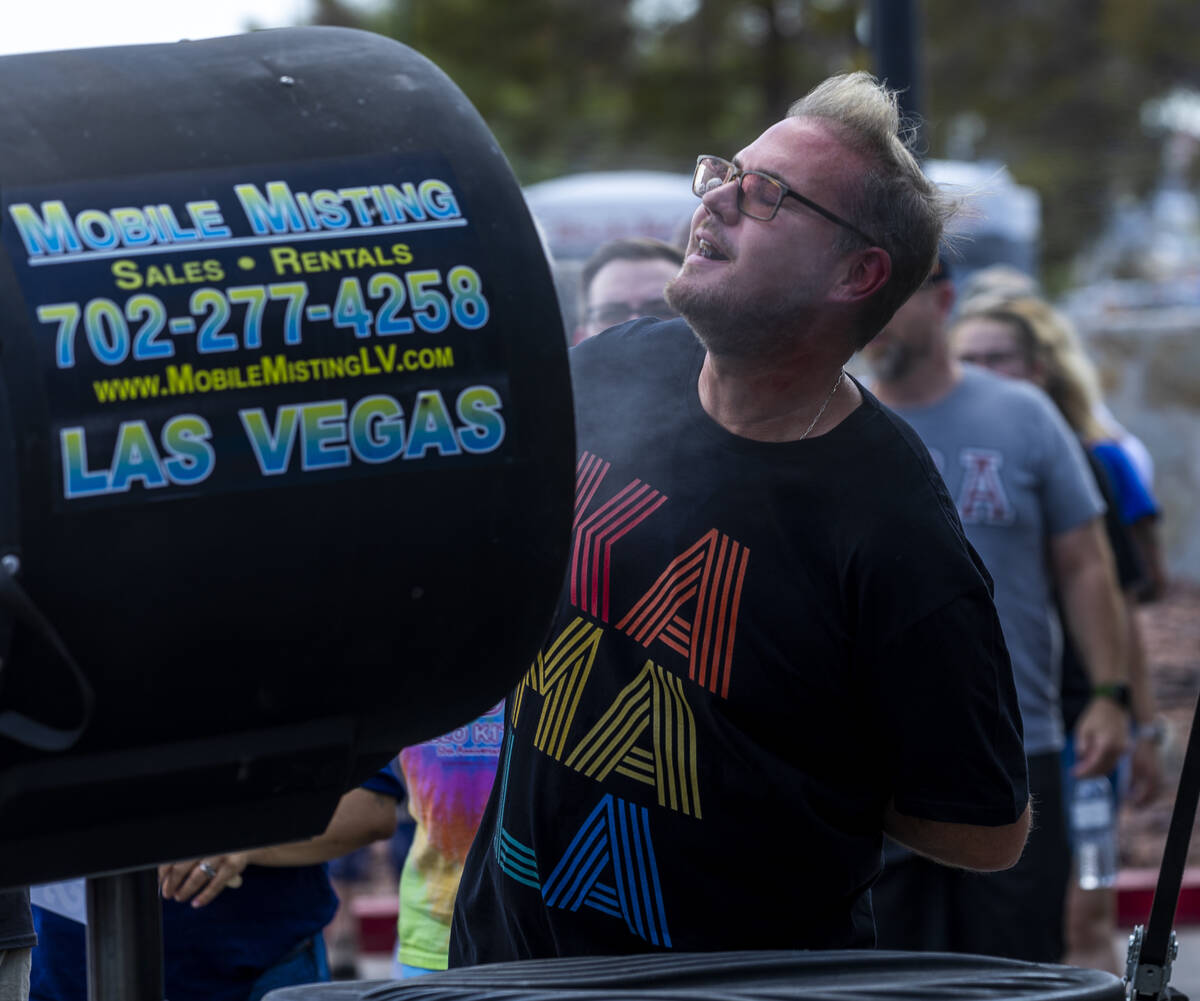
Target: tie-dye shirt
(448, 779)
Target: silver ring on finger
(208, 870)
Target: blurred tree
(544, 74)
(715, 79)
(1051, 89)
(1055, 93)
(571, 85)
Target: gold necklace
(841, 373)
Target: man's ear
(866, 273)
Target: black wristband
(1116, 691)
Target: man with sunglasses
(773, 642)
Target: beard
(729, 325)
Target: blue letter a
(610, 866)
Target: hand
(201, 880)
(1146, 772)
(1101, 737)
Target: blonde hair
(1052, 345)
(894, 201)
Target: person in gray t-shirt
(1031, 508)
(1018, 478)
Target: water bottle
(1094, 830)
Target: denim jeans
(14, 974)
(306, 964)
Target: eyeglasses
(611, 313)
(993, 359)
(759, 194)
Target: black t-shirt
(757, 647)
(16, 920)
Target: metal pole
(896, 47)
(124, 937)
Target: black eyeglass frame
(734, 172)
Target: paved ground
(1171, 632)
(380, 968)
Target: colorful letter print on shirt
(647, 733)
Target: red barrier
(1135, 894)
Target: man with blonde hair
(767, 597)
